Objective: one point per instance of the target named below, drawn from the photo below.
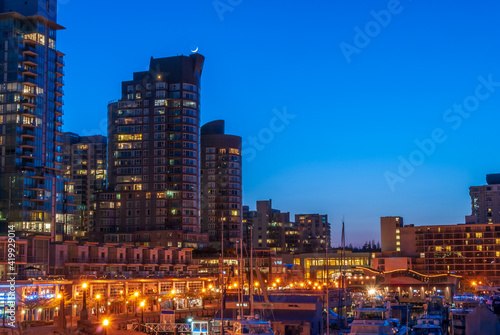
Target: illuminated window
(398, 243)
(398, 249)
(398, 237)
(479, 247)
(479, 235)
(397, 231)
(422, 255)
(439, 248)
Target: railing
(162, 327)
(30, 59)
(29, 80)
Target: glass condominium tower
(35, 198)
(154, 151)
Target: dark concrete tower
(221, 191)
(153, 150)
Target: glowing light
(278, 280)
(371, 291)
(105, 322)
(142, 303)
(473, 283)
(84, 285)
(136, 294)
(159, 299)
(74, 306)
(301, 284)
(173, 291)
(274, 284)
(98, 296)
(121, 292)
(39, 309)
(59, 296)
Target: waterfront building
(36, 199)
(468, 250)
(85, 160)
(315, 266)
(153, 152)
(221, 185)
(314, 231)
(485, 200)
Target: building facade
(314, 230)
(485, 200)
(153, 153)
(85, 159)
(221, 185)
(36, 198)
(468, 250)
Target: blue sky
(351, 119)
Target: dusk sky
(329, 96)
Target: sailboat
(248, 325)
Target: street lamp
(97, 311)
(105, 324)
(84, 315)
(61, 315)
(142, 311)
(136, 294)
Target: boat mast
(240, 279)
(222, 278)
(327, 291)
(251, 274)
(342, 275)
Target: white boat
(371, 321)
(463, 306)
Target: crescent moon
(195, 50)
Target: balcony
(28, 144)
(29, 81)
(59, 101)
(29, 71)
(59, 72)
(59, 120)
(29, 50)
(134, 261)
(60, 61)
(28, 103)
(78, 260)
(29, 92)
(27, 112)
(31, 61)
(28, 133)
(59, 91)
